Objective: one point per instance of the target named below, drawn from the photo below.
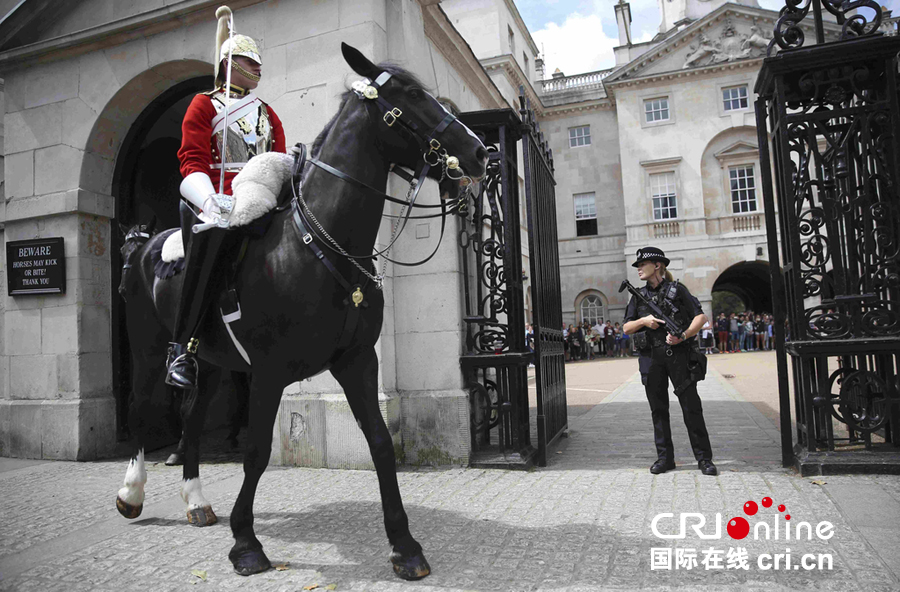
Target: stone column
(58, 401)
(57, 381)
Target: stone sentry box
(75, 90)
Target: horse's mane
(402, 75)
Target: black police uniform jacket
(686, 308)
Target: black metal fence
(832, 116)
(496, 358)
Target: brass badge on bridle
(357, 297)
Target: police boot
(201, 253)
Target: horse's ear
(358, 62)
(151, 225)
(123, 230)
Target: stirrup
(182, 367)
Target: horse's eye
(414, 94)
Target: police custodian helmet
(650, 254)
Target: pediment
(739, 149)
(731, 34)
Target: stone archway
(750, 281)
(114, 153)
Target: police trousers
(657, 369)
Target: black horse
(291, 302)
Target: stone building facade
(659, 150)
(94, 95)
(645, 152)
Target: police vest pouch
(696, 370)
(641, 341)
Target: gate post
(496, 357)
(831, 114)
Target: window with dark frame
(585, 214)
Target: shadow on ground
(343, 543)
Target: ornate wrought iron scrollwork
(862, 402)
(490, 334)
(485, 405)
(832, 111)
(788, 33)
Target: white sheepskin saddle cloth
(255, 190)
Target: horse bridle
(435, 155)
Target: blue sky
(578, 35)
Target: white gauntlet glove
(197, 188)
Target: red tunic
(198, 146)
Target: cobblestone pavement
(583, 523)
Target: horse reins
(436, 155)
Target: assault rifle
(696, 359)
(671, 326)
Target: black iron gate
(832, 115)
(496, 358)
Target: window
(735, 97)
(525, 61)
(512, 41)
(585, 214)
(592, 310)
(579, 136)
(662, 188)
(656, 109)
(743, 189)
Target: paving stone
(583, 523)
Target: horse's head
(415, 128)
(133, 239)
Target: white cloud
(578, 45)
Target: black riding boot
(201, 252)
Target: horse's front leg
(357, 372)
(147, 376)
(247, 554)
(199, 511)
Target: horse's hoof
(127, 510)
(249, 562)
(414, 567)
(176, 459)
(202, 516)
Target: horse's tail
(135, 238)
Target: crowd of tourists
(733, 333)
(740, 332)
(600, 340)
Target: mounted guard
(222, 130)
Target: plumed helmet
(243, 46)
(238, 45)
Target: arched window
(592, 309)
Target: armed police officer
(665, 357)
(222, 130)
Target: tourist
(722, 330)
(610, 340)
(734, 333)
